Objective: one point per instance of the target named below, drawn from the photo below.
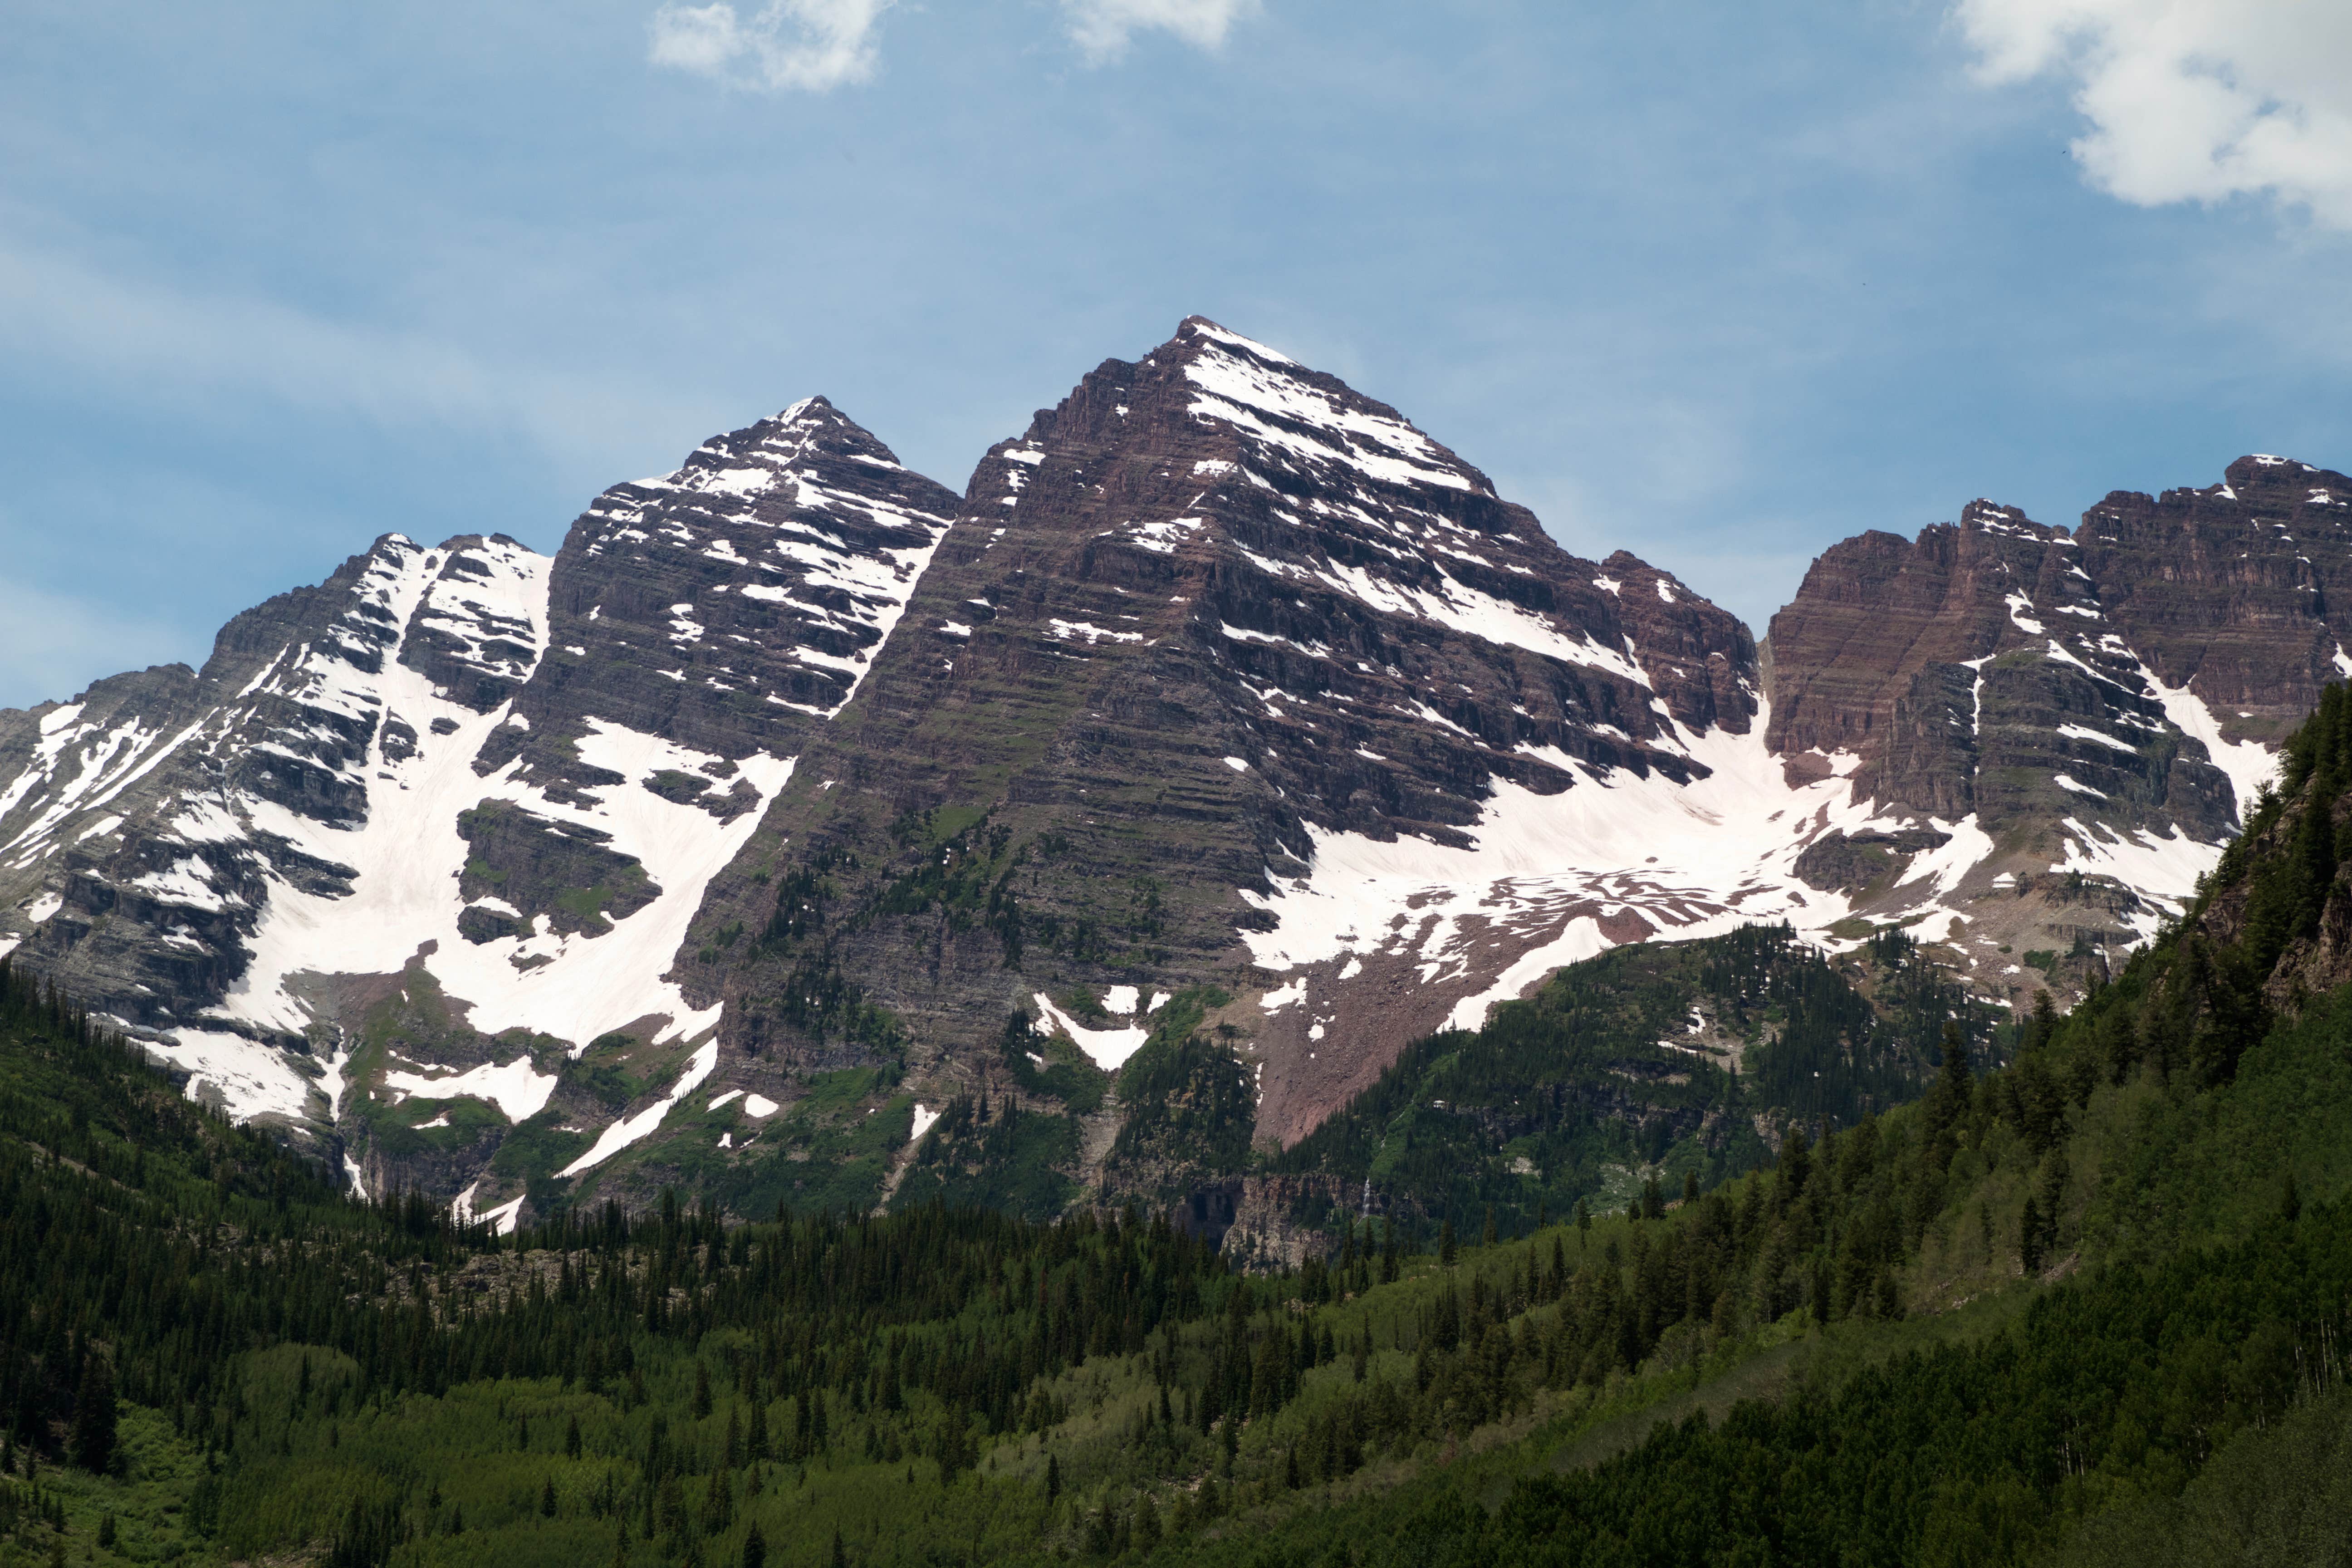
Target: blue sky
(1718, 283)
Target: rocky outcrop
(797, 797)
(1972, 668)
(397, 825)
(1212, 610)
(2092, 703)
(732, 606)
(2239, 592)
(2225, 595)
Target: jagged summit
(1308, 417)
(503, 777)
(796, 794)
(1222, 626)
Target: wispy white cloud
(811, 46)
(2191, 100)
(1103, 28)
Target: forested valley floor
(2089, 1307)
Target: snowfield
(407, 853)
(1546, 873)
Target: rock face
(455, 807)
(2093, 703)
(2240, 593)
(1143, 804)
(1211, 619)
(1975, 674)
(728, 605)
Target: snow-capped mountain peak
(1221, 679)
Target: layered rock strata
(798, 805)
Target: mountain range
(1226, 737)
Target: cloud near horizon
(2191, 100)
(1103, 28)
(815, 45)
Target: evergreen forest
(2069, 1292)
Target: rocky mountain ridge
(797, 798)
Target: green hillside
(2085, 1308)
(1647, 1065)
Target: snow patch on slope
(767, 494)
(1553, 878)
(630, 1129)
(78, 768)
(1108, 1047)
(1462, 608)
(2249, 764)
(1252, 387)
(2160, 867)
(515, 1089)
(251, 1079)
(406, 900)
(501, 1219)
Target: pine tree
(2055, 1175)
(1445, 1243)
(2045, 1024)
(546, 1498)
(1955, 1088)
(718, 1502)
(755, 1548)
(1795, 1165)
(93, 1429)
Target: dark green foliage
(823, 1152)
(94, 1416)
(2294, 838)
(1578, 1091)
(994, 1156)
(815, 996)
(2126, 1385)
(296, 1375)
(2278, 1497)
(821, 1002)
(1189, 1106)
(1049, 1065)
